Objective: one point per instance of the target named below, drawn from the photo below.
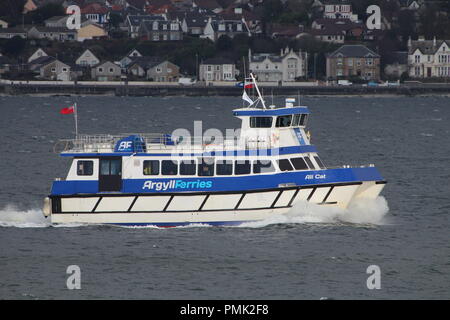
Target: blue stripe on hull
(224, 184)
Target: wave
(361, 212)
(10, 216)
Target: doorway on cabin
(110, 175)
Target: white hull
(213, 208)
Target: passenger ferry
(166, 181)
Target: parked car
(186, 81)
(344, 83)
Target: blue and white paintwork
(137, 197)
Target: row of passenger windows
(204, 167)
(207, 167)
(281, 122)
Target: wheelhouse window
(285, 165)
(319, 162)
(261, 122)
(263, 166)
(151, 167)
(224, 168)
(303, 119)
(242, 167)
(169, 167)
(284, 121)
(299, 163)
(296, 120)
(206, 167)
(85, 167)
(187, 168)
(309, 162)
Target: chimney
(434, 41)
(409, 42)
(421, 38)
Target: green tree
(14, 46)
(43, 13)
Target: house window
(217, 68)
(111, 70)
(53, 69)
(159, 70)
(417, 59)
(156, 37)
(100, 69)
(209, 68)
(64, 69)
(369, 62)
(239, 27)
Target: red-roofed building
(95, 12)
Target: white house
(429, 58)
(287, 66)
(87, 58)
(217, 69)
(37, 54)
(335, 9)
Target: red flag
(248, 85)
(68, 110)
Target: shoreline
(122, 90)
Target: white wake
(361, 211)
(10, 216)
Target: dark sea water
(309, 254)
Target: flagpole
(76, 119)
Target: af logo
(125, 145)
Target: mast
(257, 90)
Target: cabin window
(284, 121)
(224, 168)
(285, 165)
(187, 168)
(309, 162)
(319, 162)
(111, 167)
(303, 120)
(299, 163)
(85, 168)
(169, 167)
(151, 167)
(242, 167)
(263, 166)
(296, 120)
(206, 167)
(260, 122)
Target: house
(89, 31)
(29, 6)
(214, 29)
(276, 30)
(52, 33)
(217, 69)
(96, 12)
(3, 24)
(37, 54)
(161, 30)
(133, 23)
(130, 57)
(163, 71)
(5, 64)
(397, 64)
(36, 64)
(139, 65)
(57, 21)
(8, 33)
(239, 12)
(287, 66)
(55, 70)
(335, 9)
(411, 4)
(336, 30)
(194, 23)
(208, 5)
(429, 58)
(106, 71)
(87, 59)
(353, 61)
